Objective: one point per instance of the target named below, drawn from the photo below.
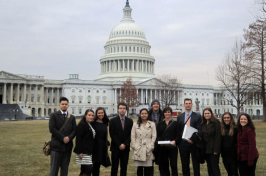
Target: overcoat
(211, 135)
(142, 141)
(55, 123)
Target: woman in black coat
(100, 152)
(167, 130)
(228, 145)
(211, 134)
(85, 143)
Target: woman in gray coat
(143, 136)
(211, 134)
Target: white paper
(188, 132)
(165, 143)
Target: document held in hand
(165, 143)
(188, 131)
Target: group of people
(235, 142)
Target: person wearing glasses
(120, 133)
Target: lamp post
(15, 110)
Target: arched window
(89, 99)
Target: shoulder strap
(68, 117)
(168, 126)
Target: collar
(121, 118)
(63, 112)
(188, 113)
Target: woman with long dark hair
(84, 143)
(228, 144)
(168, 130)
(247, 152)
(211, 134)
(143, 136)
(100, 152)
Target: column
(128, 65)
(123, 65)
(52, 95)
(46, 98)
(151, 95)
(42, 95)
(110, 66)
(133, 65)
(141, 95)
(146, 66)
(115, 99)
(57, 96)
(155, 94)
(4, 94)
(142, 68)
(29, 94)
(146, 96)
(138, 93)
(119, 65)
(137, 65)
(11, 93)
(42, 112)
(106, 67)
(18, 90)
(25, 93)
(35, 93)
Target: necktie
(64, 115)
(188, 120)
(123, 123)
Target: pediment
(149, 82)
(6, 75)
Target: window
(104, 91)
(80, 111)
(80, 90)
(185, 93)
(80, 99)
(89, 99)
(32, 88)
(73, 110)
(97, 100)
(73, 90)
(89, 91)
(97, 91)
(38, 99)
(32, 98)
(104, 100)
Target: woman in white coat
(143, 136)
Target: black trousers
(213, 164)
(59, 160)
(96, 169)
(168, 154)
(245, 169)
(86, 169)
(185, 160)
(148, 171)
(121, 155)
(231, 168)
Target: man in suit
(61, 146)
(120, 133)
(186, 147)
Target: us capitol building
(127, 54)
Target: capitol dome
(127, 52)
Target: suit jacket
(118, 135)
(211, 135)
(55, 123)
(195, 122)
(84, 139)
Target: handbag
(107, 162)
(47, 145)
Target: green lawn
(22, 141)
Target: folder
(188, 132)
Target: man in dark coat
(155, 112)
(120, 133)
(187, 147)
(62, 140)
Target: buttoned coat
(211, 135)
(142, 141)
(55, 123)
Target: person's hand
(190, 141)
(80, 155)
(173, 142)
(215, 153)
(66, 139)
(122, 147)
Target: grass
(22, 141)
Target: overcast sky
(189, 38)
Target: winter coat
(246, 146)
(142, 141)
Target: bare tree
(255, 37)
(129, 94)
(235, 76)
(168, 87)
